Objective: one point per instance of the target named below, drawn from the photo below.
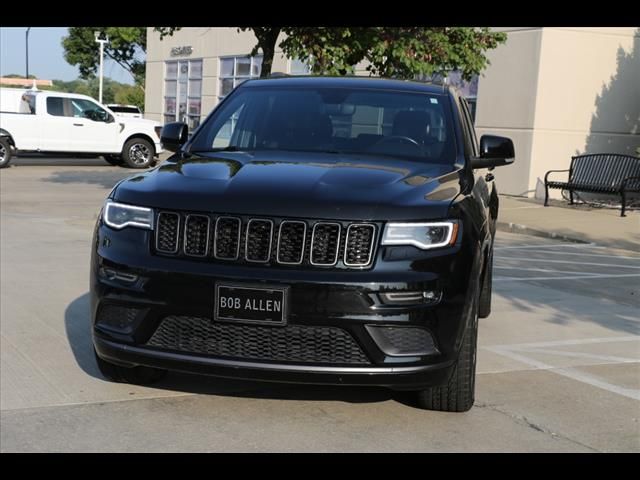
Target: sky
(46, 55)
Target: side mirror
(109, 118)
(174, 135)
(494, 152)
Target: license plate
(265, 305)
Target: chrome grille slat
(224, 241)
(325, 244)
(359, 244)
(167, 232)
(196, 235)
(291, 242)
(257, 246)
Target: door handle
(78, 124)
(489, 176)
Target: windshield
(333, 120)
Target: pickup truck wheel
(458, 394)
(5, 153)
(484, 310)
(138, 153)
(115, 160)
(136, 375)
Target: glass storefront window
(298, 67)
(170, 88)
(235, 70)
(183, 92)
(194, 106)
(171, 71)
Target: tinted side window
(55, 106)
(470, 139)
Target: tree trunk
(267, 38)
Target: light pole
(101, 41)
(27, 50)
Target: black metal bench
(609, 173)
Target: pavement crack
(522, 420)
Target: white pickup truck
(46, 121)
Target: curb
(524, 230)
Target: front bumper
(160, 288)
(399, 378)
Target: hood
(291, 184)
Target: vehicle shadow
(105, 179)
(49, 160)
(78, 331)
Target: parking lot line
(544, 270)
(545, 245)
(592, 356)
(523, 259)
(572, 277)
(551, 252)
(579, 341)
(515, 353)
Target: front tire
(138, 153)
(484, 309)
(136, 375)
(458, 395)
(5, 152)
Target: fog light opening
(426, 297)
(111, 274)
(404, 341)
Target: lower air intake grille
(292, 343)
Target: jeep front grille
(266, 241)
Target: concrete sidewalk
(577, 223)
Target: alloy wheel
(140, 154)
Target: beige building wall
(507, 100)
(207, 43)
(560, 92)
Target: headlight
(422, 235)
(120, 215)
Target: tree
(126, 47)
(130, 95)
(399, 52)
(114, 92)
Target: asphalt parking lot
(558, 365)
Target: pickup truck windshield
(332, 120)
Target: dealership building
(555, 91)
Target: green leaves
(127, 46)
(401, 52)
(114, 92)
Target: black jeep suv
(312, 230)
